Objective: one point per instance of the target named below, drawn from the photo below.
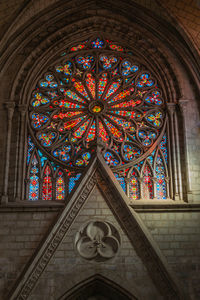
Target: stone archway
(97, 288)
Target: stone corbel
(10, 106)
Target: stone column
(172, 111)
(183, 104)
(178, 160)
(170, 181)
(154, 180)
(10, 106)
(22, 111)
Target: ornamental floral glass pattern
(96, 95)
(96, 98)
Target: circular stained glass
(97, 94)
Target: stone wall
(68, 268)
(20, 234)
(178, 236)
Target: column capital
(22, 108)
(183, 103)
(10, 106)
(171, 107)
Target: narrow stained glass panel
(113, 129)
(80, 88)
(90, 83)
(113, 88)
(103, 133)
(121, 122)
(128, 104)
(102, 84)
(66, 104)
(163, 147)
(92, 133)
(60, 186)
(34, 180)
(47, 184)
(122, 95)
(134, 187)
(161, 188)
(66, 115)
(147, 185)
(73, 96)
(81, 130)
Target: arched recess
(143, 38)
(98, 287)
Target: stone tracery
(97, 96)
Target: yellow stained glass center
(96, 109)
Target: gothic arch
(35, 63)
(98, 285)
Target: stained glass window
(97, 97)
(147, 185)
(34, 180)
(161, 188)
(60, 186)
(134, 186)
(47, 184)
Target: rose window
(97, 96)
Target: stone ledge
(164, 206)
(31, 206)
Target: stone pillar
(170, 181)
(22, 111)
(154, 180)
(183, 104)
(173, 138)
(10, 106)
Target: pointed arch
(98, 285)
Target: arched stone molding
(57, 14)
(140, 42)
(145, 38)
(98, 284)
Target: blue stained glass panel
(121, 181)
(72, 181)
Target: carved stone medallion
(98, 241)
